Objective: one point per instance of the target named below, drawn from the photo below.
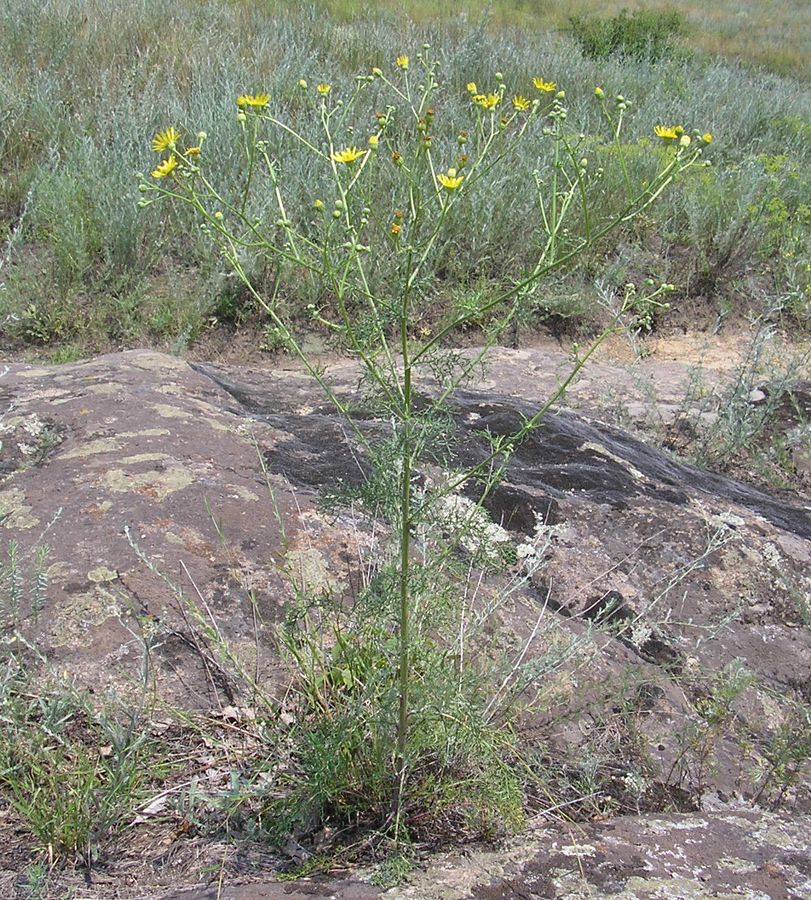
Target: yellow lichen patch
(156, 362)
(309, 571)
(143, 457)
(14, 513)
(91, 448)
(165, 411)
(158, 485)
(79, 615)
(101, 574)
(111, 444)
(34, 373)
(103, 389)
(243, 493)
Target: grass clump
(73, 775)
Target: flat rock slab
(176, 497)
(732, 855)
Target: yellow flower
(348, 155)
(377, 71)
(707, 138)
(255, 100)
(599, 93)
(402, 62)
(165, 140)
(668, 132)
(487, 101)
(193, 151)
(521, 103)
(323, 89)
(395, 228)
(374, 140)
(545, 87)
(685, 140)
(165, 168)
(471, 87)
(451, 181)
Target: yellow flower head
(471, 87)
(348, 155)
(323, 89)
(706, 138)
(487, 101)
(374, 140)
(165, 140)
(545, 87)
(521, 103)
(668, 132)
(256, 100)
(599, 93)
(402, 62)
(451, 181)
(193, 151)
(395, 228)
(165, 168)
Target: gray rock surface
(155, 482)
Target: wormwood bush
(644, 35)
(402, 699)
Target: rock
(172, 494)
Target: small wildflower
(318, 204)
(668, 132)
(599, 93)
(685, 140)
(193, 151)
(348, 155)
(471, 87)
(377, 71)
(451, 181)
(302, 83)
(218, 216)
(258, 101)
(165, 140)
(402, 62)
(323, 89)
(486, 101)
(521, 103)
(165, 168)
(706, 138)
(374, 141)
(395, 228)
(545, 87)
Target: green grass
(85, 85)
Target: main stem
(404, 666)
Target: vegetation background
(83, 86)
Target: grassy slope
(83, 86)
(771, 33)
